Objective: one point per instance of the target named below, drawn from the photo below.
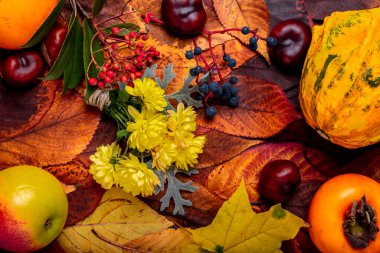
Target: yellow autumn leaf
(236, 228)
(119, 224)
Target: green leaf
(236, 228)
(73, 73)
(65, 54)
(88, 36)
(46, 26)
(97, 7)
(125, 28)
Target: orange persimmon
(329, 207)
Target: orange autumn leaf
(61, 135)
(84, 200)
(263, 111)
(220, 147)
(167, 38)
(225, 178)
(239, 13)
(19, 114)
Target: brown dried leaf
(84, 200)
(167, 38)
(225, 178)
(221, 147)
(17, 114)
(62, 134)
(263, 111)
(239, 13)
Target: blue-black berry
(219, 92)
(210, 112)
(231, 63)
(245, 30)
(253, 47)
(192, 72)
(233, 101)
(213, 86)
(226, 57)
(253, 40)
(226, 86)
(233, 79)
(198, 70)
(271, 41)
(189, 55)
(197, 50)
(234, 90)
(204, 88)
(226, 93)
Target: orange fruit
(20, 19)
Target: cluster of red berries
(125, 68)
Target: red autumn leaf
(221, 147)
(239, 13)
(280, 10)
(23, 109)
(367, 164)
(263, 111)
(225, 178)
(319, 9)
(84, 200)
(61, 135)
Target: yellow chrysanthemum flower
(150, 92)
(188, 148)
(165, 154)
(182, 120)
(148, 129)
(104, 163)
(136, 177)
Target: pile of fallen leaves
(40, 127)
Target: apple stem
(70, 188)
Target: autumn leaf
(263, 111)
(236, 228)
(235, 49)
(225, 178)
(280, 10)
(61, 135)
(118, 220)
(88, 194)
(18, 114)
(221, 147)
(239, 13)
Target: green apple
(33, 208)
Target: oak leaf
(118, 220)
(61, 135)
(239, 13)
(236, 228)
(225, 178)
(263, 111)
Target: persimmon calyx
(360, 224)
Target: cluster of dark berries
(230, 61)
(225, 93)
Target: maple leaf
(236, 228)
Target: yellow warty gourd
(340, 84)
